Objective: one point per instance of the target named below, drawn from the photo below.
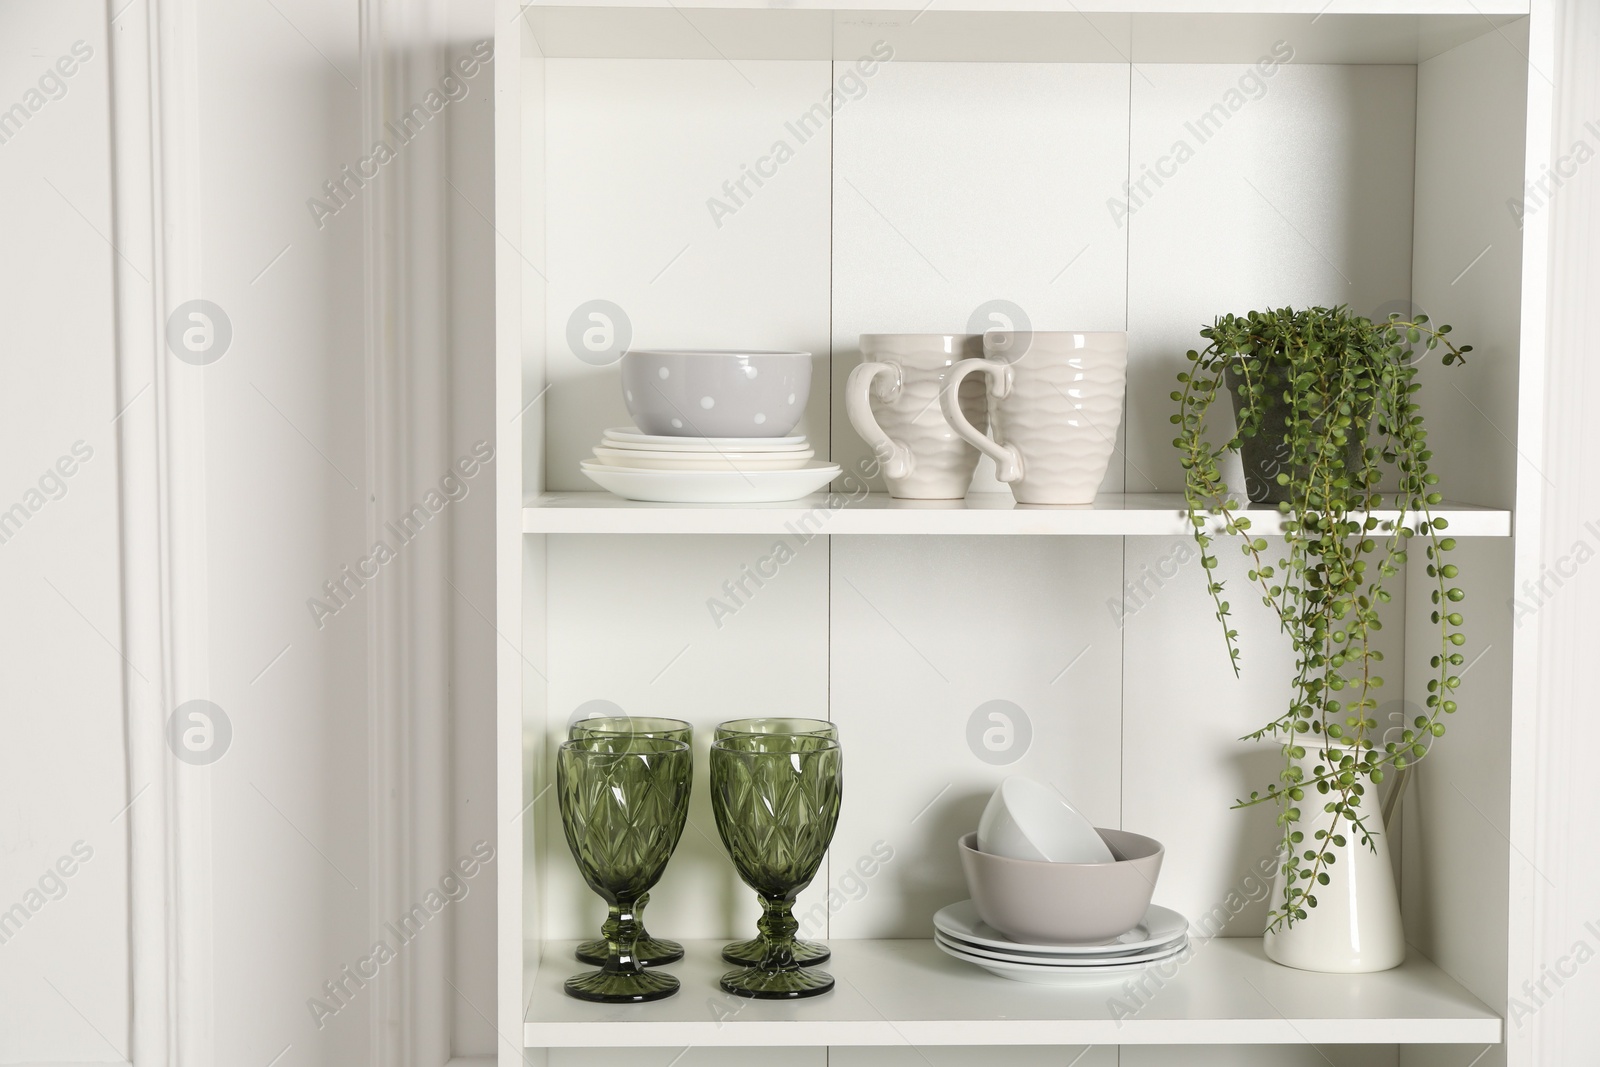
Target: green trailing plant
(1343, 391)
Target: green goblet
(624, 801)
(652, 951)
(748, 953)
(776, 800)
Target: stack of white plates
(959, 932)
(707, 470)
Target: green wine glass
(776, 800)
(652, 951)
(624, 801)
(748, 953)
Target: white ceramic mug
(1055, 402)
(892, 400)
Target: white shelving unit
(1102, 164)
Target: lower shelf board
(907, 992)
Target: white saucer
(1145, 956)
(639, 459)
(1033, 974)
(960, 922)
(711, 487)
(630, 438)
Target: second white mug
(1055, 403)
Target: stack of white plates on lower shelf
(959, 932)
(706, 470)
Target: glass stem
(777, 926)
(621, 931)
(608, 929)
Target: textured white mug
(892, 400)
(1055, 402)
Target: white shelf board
(1035, 31)
(1476, 8)
(909, 993)
(1111, 515)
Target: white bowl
(1028, 820)
(714, 393)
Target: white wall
(294, 872)
(65, 972)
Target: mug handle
(1007, 460)
(896, 458)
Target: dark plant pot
(1266, 455)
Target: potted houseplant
(1324, 410)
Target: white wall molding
(162, 483)
(407, 266)
(162, 475)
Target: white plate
(711, 487)
(634, 439)
(1158, 927)
(1145, 956)
(702, 461)
(1058, 976)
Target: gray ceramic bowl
(711, 393)
(1043, 903)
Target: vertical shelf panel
(1459, 858)
(956, 184)
(638, 151)
(634, 629)
(1298, 194)
(1296, 190)
(926, 632)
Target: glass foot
(750, 953)
(776, 985)
(650, 952)
(621, 987)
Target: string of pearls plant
(1344, 389)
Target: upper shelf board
(1111, 515)
(909, 993)
(1015, 30)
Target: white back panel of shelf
(923, 637)
(1297, 192)
(636, 150)
(1184, 714)
(956, 184)
(630, 625)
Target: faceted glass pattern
(776, 799)
(748, 953)
(652, 951)
(624, 800)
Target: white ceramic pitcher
(1355, 927)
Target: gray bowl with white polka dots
(715, 393)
